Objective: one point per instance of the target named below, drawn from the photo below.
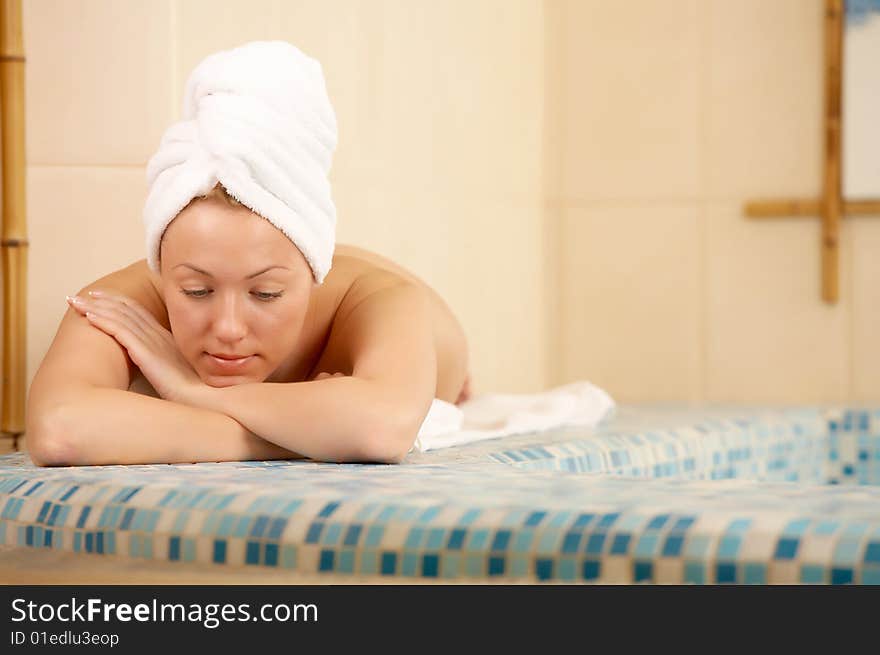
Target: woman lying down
(261, 338)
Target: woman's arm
(341, 419)
(79, 409)
(373, 415)
(96, 426)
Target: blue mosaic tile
(545, 506)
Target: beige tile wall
(674, 114)
(569, 174)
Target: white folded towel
(493, 415)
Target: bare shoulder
(136, 281)
(383, 332)
(366, 288)
(375, 286)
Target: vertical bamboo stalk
(831, 200)
(14, 233)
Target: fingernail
(95, 293)
(73, 299)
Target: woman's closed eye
(262, 295)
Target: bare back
(354, 274)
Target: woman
(260, 337)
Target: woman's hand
(150, 346)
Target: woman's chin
(226, 380)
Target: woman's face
(234, 287)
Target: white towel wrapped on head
(258, 120)
(493, 415)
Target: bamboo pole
(798, 208)
(831, 200)
(14, 244)
(831, 207)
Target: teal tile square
(386, 513)
(519, 566)
(429, 514)
(410, 564)
(450, 565)
(812, 574)
(331, 534)
(870, 575)
(77, 540)
(345, 562)
(754, 573)
(414, 538)
(566, 568)
(738, 526)
(436, 539)
(560, 519)
(474, 566)
(109, 541)
(796, 528)
(227, 524)
(134, 544)
(374, 536)
(369, 562)
(694, 573)
(115, 514)
(478, 539)
(548, 541)
(697, 546)
(728, 547)
(288, 557)
(826, 527)
(846, 551)
(242, 527)
(189, 550)
(469, 517)
(855, 529)
(647, 545)
(522, 541)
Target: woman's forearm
(101, 426)
(342, 419)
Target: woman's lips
(229, 364)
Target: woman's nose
(230, 322)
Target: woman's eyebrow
(249, 277)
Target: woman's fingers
(132, 309)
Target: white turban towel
(258, 120)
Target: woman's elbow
(46, 440)
(382, 451)
(390, 442)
